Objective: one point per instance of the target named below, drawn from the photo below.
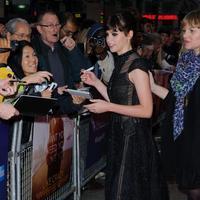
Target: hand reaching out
(68, 42)
(38, 77)
(62, 89)
(88, 77)
(152, 81)
(46, 93)
(7, 111)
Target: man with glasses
(61, 57)
(19, 29)
(16, 29)
(69, 25)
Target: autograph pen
(90, 69)
(17, 81)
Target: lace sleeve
(139, 63)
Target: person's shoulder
(140, 63)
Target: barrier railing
(78, 149)
(33, 166)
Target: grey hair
(11, 24)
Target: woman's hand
(38, 77)
(7, 111)
(6, 88)
(62, 89)
(97, 106)
(158, 90)
(88, 78)
(152, 81)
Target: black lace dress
(133, 170)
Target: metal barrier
(22, 172)
(88, 155)
(91, 136)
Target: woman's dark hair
(15, 58)
(123, 21)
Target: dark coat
(72, 62)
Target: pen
(90, 69)
(15, 80)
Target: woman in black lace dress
(133, 171)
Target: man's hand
(7, 111)
(68, 43)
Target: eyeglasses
(50, 26)
(97, 41)
(22, 36)
(69, 33)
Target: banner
(52, 155)
(3, 158)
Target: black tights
(193, 194)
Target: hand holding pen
(88, 77)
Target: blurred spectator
(69, 25)
(16, 29)
(2, 30)
(170, 49)
(96, 48)
(146, 48)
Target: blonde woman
(182, 126)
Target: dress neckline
(126, 54)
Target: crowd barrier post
(75, 159)
(14, 171)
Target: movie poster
(52, 155)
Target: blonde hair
(192, 18)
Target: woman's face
(29, 61)
(118, 41)
(191, 37)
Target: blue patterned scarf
(184, 78)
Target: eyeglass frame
(22, 35)
(101, 41)
(69, 33)
(50, 26)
